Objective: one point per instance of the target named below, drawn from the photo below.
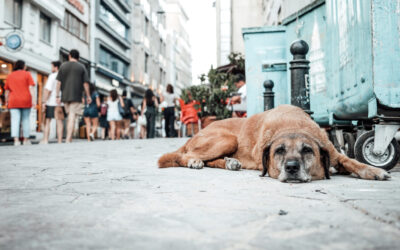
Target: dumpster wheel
(363, 150)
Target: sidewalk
(111, 195)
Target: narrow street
(111, 195)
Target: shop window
(45, 28)
(13, 12)
(112, 62)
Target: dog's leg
(226, 163)
(362, 170)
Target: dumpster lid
(265, 29)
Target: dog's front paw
(195, 163)
(232, 164)
(373, 173)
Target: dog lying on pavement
(284, 143)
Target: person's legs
(171, 124)
(152, 125)
(46, 131)
(15, 124)
(88, 127)
(118, 128)
(95, 125)
(60, 130)
(166, 124)
(112, 130)
(26, 125)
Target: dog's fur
(266, 142)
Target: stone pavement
(111, 195)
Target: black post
(269, 95)
(299, 67)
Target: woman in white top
(169, 112)
(113, 115)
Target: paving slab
(111, 195)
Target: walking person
(72, 80)
(113, 114)
(142, 122)
(169, 112)
(103, 118)
(91, 112)
(150, 104)
(128, 116)
(50, 107)
(19, 91)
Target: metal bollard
(300, 84)
(269, 95)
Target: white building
(37, 24)
(149, 43)
(233, 15)
(179, 58)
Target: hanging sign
(14, 41)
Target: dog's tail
(170, 160)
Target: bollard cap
(268, 84)
(299, 49)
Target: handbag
(121, 109)
(142, 120)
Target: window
(45, 28)
(146, 61)
(13, 12)
(112, 62)
(111, 20)
(75, 26)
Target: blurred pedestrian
(19, 91)
(142, 122)
(91, 112)
(103, 118)
(169, 112)
(239, 101)
(150, 104)
(128, 115)
(113, 114)
(50, 107)
(72, 80)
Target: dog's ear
(325, 161)
(265, 161)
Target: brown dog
(283, 142)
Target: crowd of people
(68, 94)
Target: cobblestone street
(111, 195)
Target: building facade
(36, 23)
(149, 44)
(110, 44)
(122, 43)
(179, 58)
(233, 15)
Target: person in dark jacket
(150, 105)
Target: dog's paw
(373, 173)
(195, 163)
(232, 164)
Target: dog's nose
(292, 167)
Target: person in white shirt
(169, 112)
(239, 105)
(50, 106)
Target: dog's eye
(307, 150)
(280, 151)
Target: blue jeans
(16, 115)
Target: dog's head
(295, 157)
